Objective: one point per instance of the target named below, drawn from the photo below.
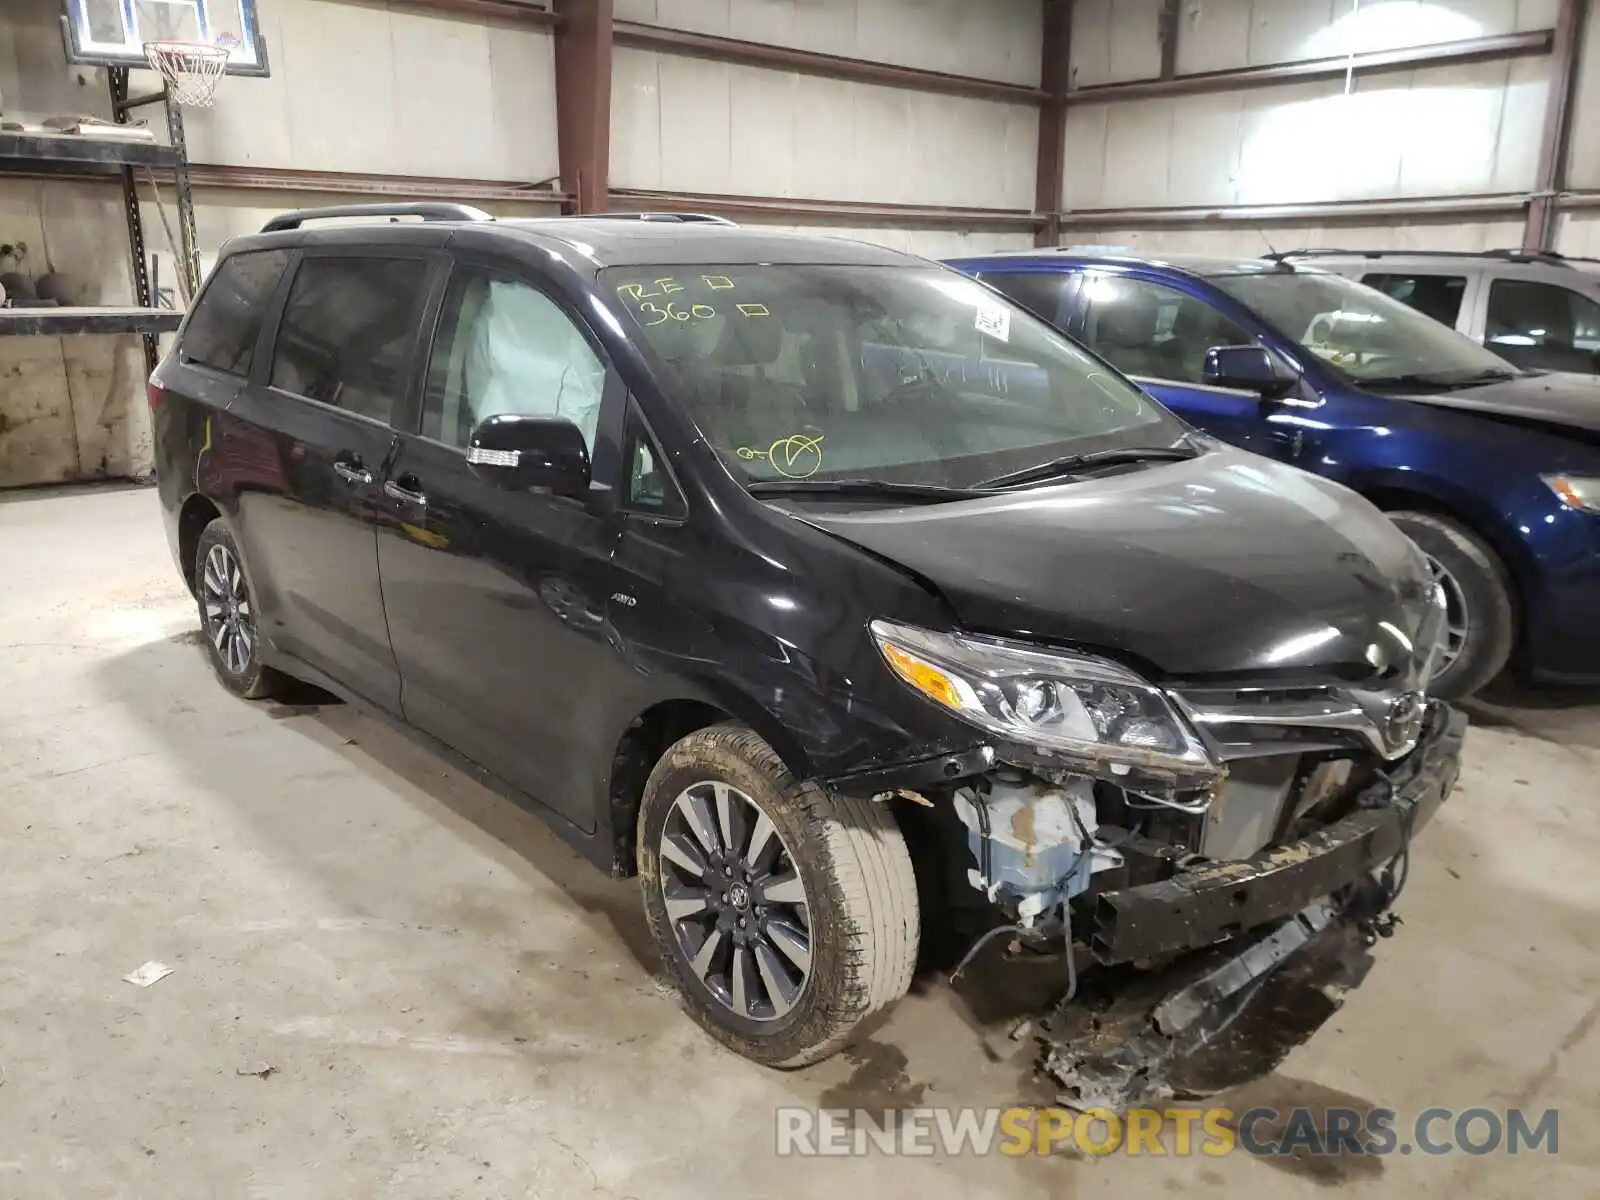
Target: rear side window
(1037, 291)
(347, 332)
(227, 318)
(1436, 296)
(1525, 313)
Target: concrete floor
(455, 1005)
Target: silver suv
(1537, 310)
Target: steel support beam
(809, 62)
(1444, 54)
(583, 101)
(521, 12)
(1496, 204)
(1171, 18)
(1540, 230)
(362, 183)
(1055, 74)
(820, 212)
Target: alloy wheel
(230, 621)
(735, 901)
(1456, 614)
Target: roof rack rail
(1504, 254)
(427, 210)
(683, 218)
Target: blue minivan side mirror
(1249, 369)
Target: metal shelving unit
(79, 156)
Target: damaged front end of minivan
(1213, 862)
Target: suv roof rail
(427, 210)
(683, 218)
(1504, 254)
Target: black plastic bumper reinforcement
(1213, 901)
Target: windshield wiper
(1441, 381)
(866, 488)
(1067, 464)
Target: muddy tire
(822, 883)
(228, 616)
(1477, 587)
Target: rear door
(1159, 335)
(496, 599)
(343, 354)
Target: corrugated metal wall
(1457, 130)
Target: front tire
(1480, 612)
(228, 615)
(786, 914)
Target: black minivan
(847, 603)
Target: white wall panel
(1115, 40)
(1578, 233)
(992, 39)
(358, 87)
(1443, 131)
(1222, 34)
(682, 124)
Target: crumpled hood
(1226, 564)
(1559, 399)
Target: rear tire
(228, 619)
(858, 914)
(1478, 593)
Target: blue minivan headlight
(1580, 492)
(1094, 714)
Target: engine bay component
(1033, 840)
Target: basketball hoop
(191, 69)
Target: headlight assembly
(1091, 713)
(1580, 492)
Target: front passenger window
(505, 347)
(1151, 331)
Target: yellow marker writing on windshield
(798, 456)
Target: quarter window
(1523, 313)
(227, 318)
(650, 486)
(346, 332)
(1152, 331)
(1436, 296)
(505, 347)
(1037, 291)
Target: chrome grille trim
(1232, 719)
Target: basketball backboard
(113, 32)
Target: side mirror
(519, 453)
(1249, 369)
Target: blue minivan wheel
(1480, 611)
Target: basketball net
(191, 69)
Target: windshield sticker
(994, 320)
(798, 456)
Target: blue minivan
(1493, 471)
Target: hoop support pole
(117, 81)
(124, 106)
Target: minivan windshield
(904, 375)
(1372, 338)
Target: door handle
(352, 472)
(405, 495)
